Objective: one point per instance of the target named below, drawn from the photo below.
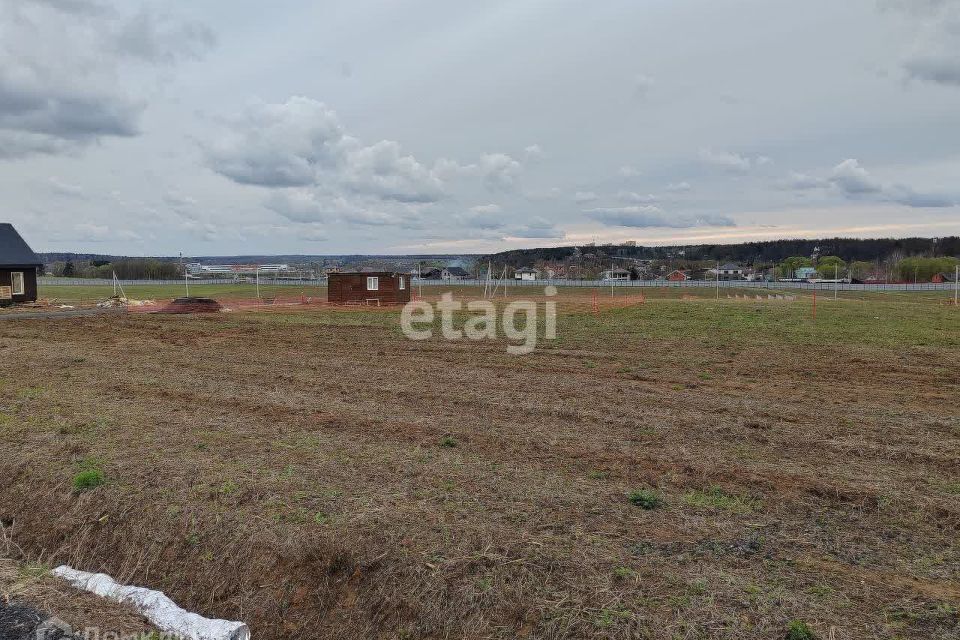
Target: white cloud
(383, 170)
(500, 172)
(627, 171)
(585, 196)
(533, 152)
(852, 179)
(279, 145)
(633, 196)
(731, 161)
(679, 187)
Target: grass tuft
(646, 499)
(88, 479)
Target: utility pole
(956, 285)
(836, 279)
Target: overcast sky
(237, 126)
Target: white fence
(724, 284)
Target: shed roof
(14, 252)
(388, 274)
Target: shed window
(373, 284)
(403, 285)
(16, 283)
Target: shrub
(798, 630)
(89, 479)
(448, 441)
(646, 499)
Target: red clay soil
(319, 476)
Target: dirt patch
(317, 475)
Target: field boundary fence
(480, 282)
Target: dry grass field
(677, 469)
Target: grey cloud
(154, 37)
(301, 143)
(643, 85)
(679, 187)
(935, 54)
(482, 217)
(61, 82)
(296, 206)
(585, 196)
(66, 189)
(652, 216)
(538, 227)
(853, 181)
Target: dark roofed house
(18, 267)
(454, 273)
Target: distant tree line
(125, 268)
(767, 253)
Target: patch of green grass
(448, 442)
(717, 498)
(29, 393)
(799, 630)
(321, 518)
(820, 590)
(646, 499)
(598, 474)
(32, 571)
(622, 573)
(229, 487)
(952, 487)
(88, 479)
(609, 617)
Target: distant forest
(747, 253)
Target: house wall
(29, 284)
(343, 288)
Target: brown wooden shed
(376, 288)
(18, 267)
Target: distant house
(805, 272)
(430, 274)
(454, 273)
(678, 276)
(18, 267)
(369, 287)
(525, 273)
(730, 271)
(615, 275)
(940, 278)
